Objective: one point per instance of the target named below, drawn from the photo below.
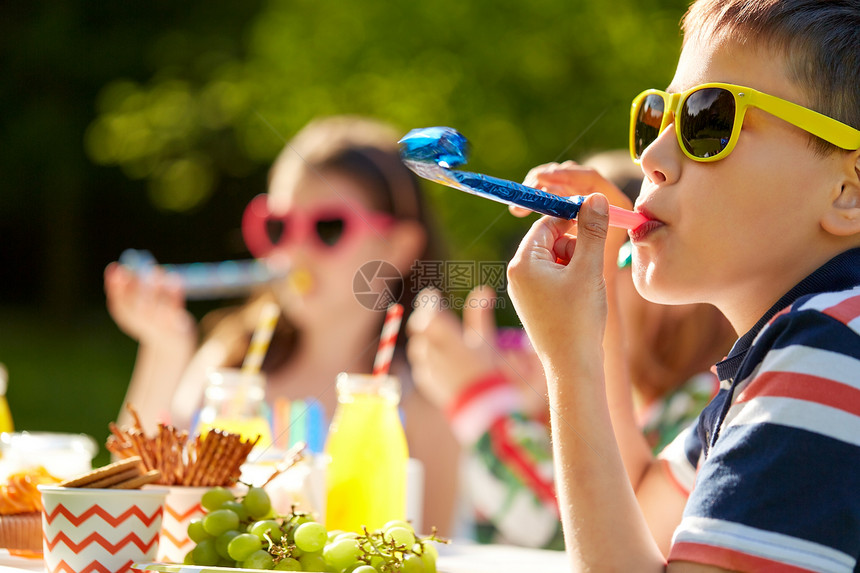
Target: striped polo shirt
(774, 460)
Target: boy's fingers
(519, 211)
(592, 227)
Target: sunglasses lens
(707, 118)
(275, 230)
(649, 118)
(330, 230)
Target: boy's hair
(820, 40)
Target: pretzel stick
(158, 460)
(192, 456)
(140, 444)
(113, 447)
(215, 476)
(135, 417)
(212, 459)
(221, 468)
(119, 442)
(171, 463)
(166, 455)
(162, 446)
(120, 435)
(209, 446)
(241, 456)
(181, 457)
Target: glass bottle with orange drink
(367, 454)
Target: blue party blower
(434, 152)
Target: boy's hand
(556, 284)
(568, 179)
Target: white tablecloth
(455, 558)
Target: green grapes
(243, 545)
(217, 522)
(236, 507)
(205, 553)
(312, 562)
(401, 536)
(260, 559)
(341, 553)
(257, 502)
(268, 527)
(428, 556)
(311, 536)
(412, 563)
(213, 498)
(244, 532)
(289, 564)
(196, 532)
(223, 540)
(397, 523)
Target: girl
(342, 199)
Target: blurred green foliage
(150, 125)
(527, 83)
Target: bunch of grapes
(246, 533)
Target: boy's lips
(640, 232)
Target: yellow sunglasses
(708, 119)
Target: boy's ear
(843, 219)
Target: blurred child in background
(342, 199)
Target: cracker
(151, 476)
(102, 473)
(115, 478)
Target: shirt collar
(839, 273)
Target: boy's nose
(661, 161)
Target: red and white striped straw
(387, 340)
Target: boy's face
(741, 231)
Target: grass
(65, 376)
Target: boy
(758, 213)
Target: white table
(459, 557)
(8, 563)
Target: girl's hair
(819, 39)
(366, 151)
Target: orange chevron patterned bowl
(180, 507)
(99, 530)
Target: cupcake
(21, 511)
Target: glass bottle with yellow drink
(234, 401)
(367, 454)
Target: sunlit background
(150, 125)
